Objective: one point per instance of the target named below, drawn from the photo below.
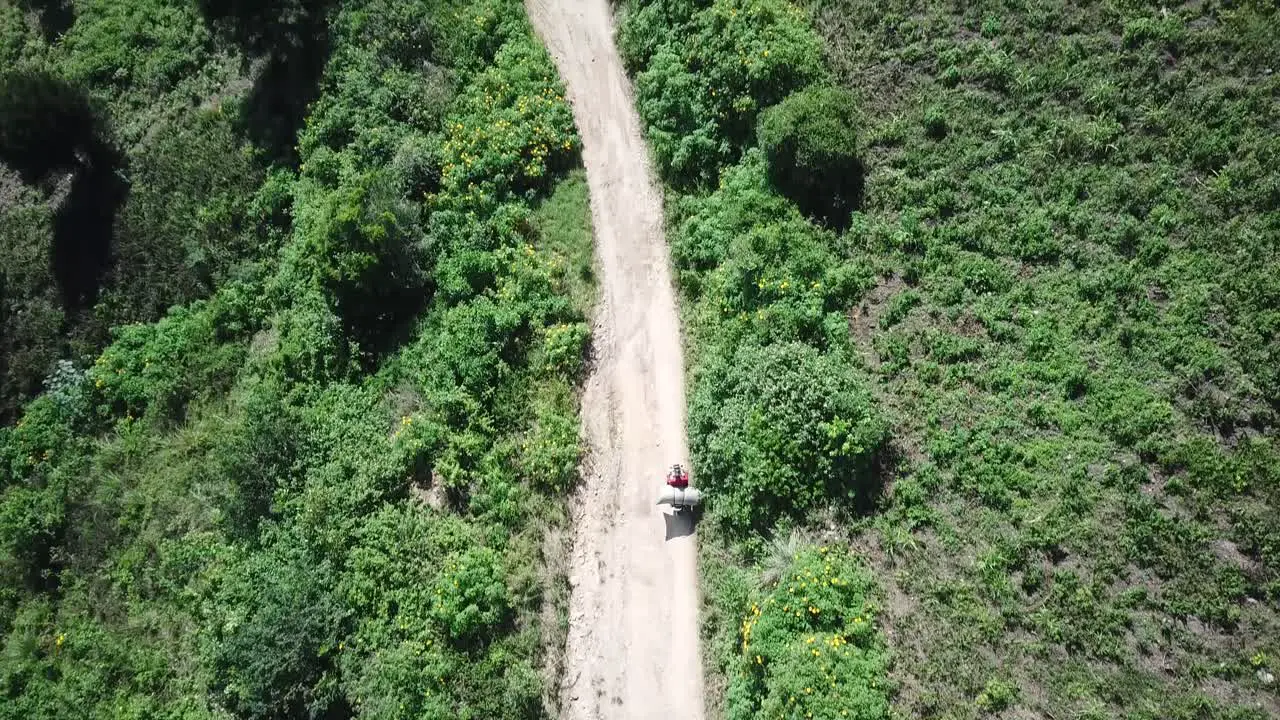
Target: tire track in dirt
(632, 649)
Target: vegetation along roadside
(329, 480)
(1014, 371)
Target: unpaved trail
(633, 629)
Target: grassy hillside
(333, 486)
(986, 295)
(126, 181)
(1073, 210)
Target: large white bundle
(676, 496)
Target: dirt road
(633, 629)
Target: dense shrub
(471, 598)
(780, 431)
(809, 645)
(158, 369)
(813, 152)
(359, 243)
(707, 79)
(271, 655)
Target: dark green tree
(779, 430)
(812, 148)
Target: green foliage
(813, 153)
(249, 505)
(1130, 412)
(471, 600)
(564, 348)
(563, 222)
(1066, 207)
(704, 75)
(17, 41)
(780, 430)
(32, 523)
(272, 655)
(809, 646)
(103, 46)
(157, 370)
(510, 130)
(158, 191)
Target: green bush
(157, 370)
(781, 430)
(471, 598)
(33, 522)
(759, 270)
(701, 91)
(564, 349)
(1130, 412)
(551, 450)
(359, 243)
(809, 644)
(997, 695)
(813, 151)
(270, 646)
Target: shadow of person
(679, 525)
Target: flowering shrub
(511, 130)
(809, 645)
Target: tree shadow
(289, 41)
(55, 16)
(82, 231)
(49, 128)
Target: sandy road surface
(633, 629)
